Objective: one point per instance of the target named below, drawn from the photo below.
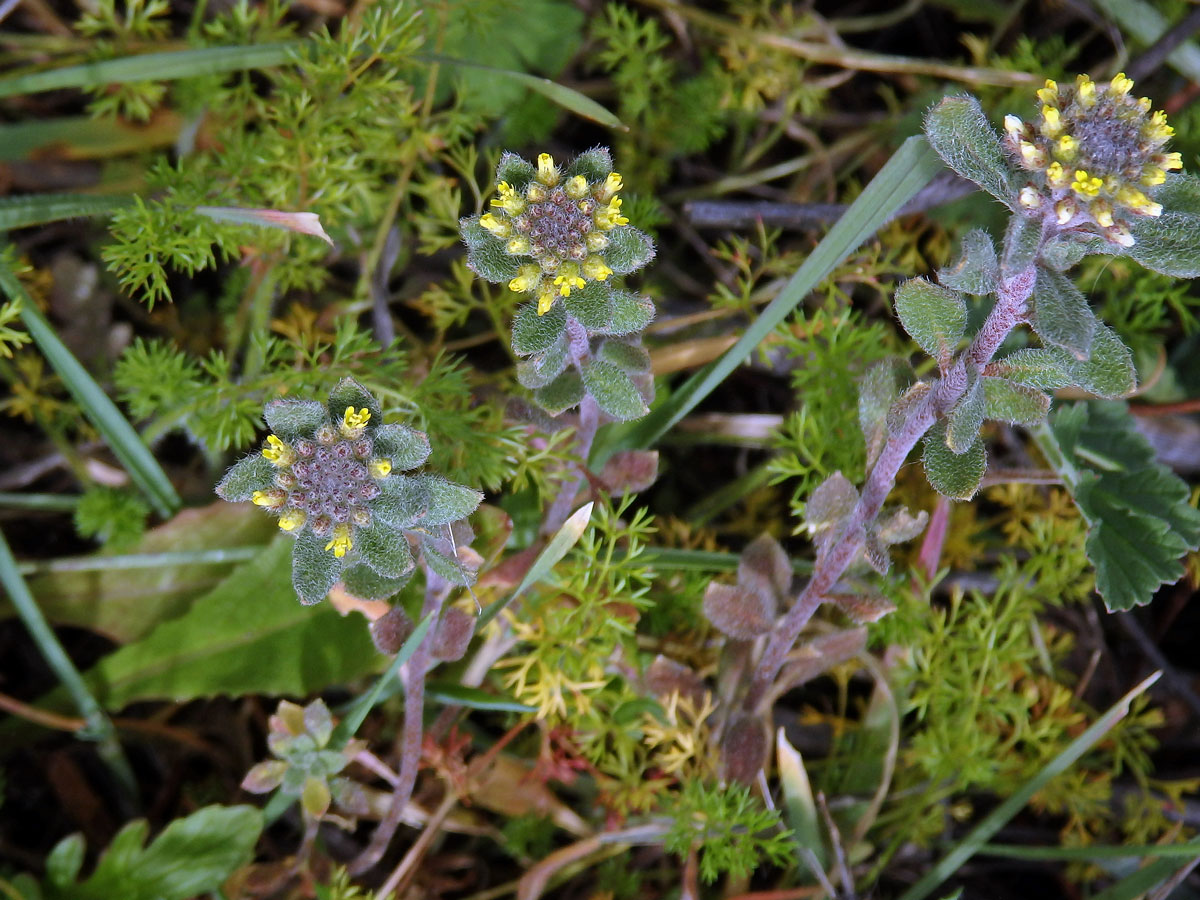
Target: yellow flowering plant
(558, 234)
(330, 474)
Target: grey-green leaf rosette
(558, 234)
(330, 474)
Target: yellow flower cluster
(1096, 153)
(559, 224)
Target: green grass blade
(99, 726)
(166, 66)
(909, 170)
(569, 99)
(37, 209)
(1093, 852)
(564, 539)
(978, 837)
(473, 698)
(139, 462)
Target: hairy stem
(585, 434)
(410, 739)
(1010, 310)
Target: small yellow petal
(1051, 121)
(518, 246)
(1085, 90)
(1086, 185)
(595, 269)
(380, 468)
(1065, 210)
(1138, 202)
(568, 278)
(547, 172)
(501, 228)
(292, 520)
(1049, 94)
(353, 423)
(545, 300)
(340, 544)
(278, 452)
(609, 189)
(1120, 84)
(527, 279)
(1029, 197)
(1056, 175)
(1101, 211)
(1031, 155)
(268, 499)
(577, 188)
(1065, 148)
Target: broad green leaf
(1061, 316)
(962, 136)
(406, 448)
(542, 368)
(290, 419)
(1039, 367)
(910, 169)
(249, 474)
(349, 393)
(878, 390)
(1022, 241)
(193, 855)
(966, 418)
(954, 475)
(314, 569)
(248, 635)
(1169, 243)
(1108, 371)
(613, 390)
(385, 549)
(977, 269)
(934, 316)
(532, 333)
(448, 502)
(1017, 404)
(1139, 520)
(630, 313)
(124, 597)
(630, 357)
(562, 394)
(628, 249)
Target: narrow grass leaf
(166, 66)
(139, 462)
(909, 170)
(977, 838)
(25, 210)
(569, 99)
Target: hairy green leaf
(349, 393)
(1061, 315)
(962, 136)
(365, 583)
(448, 502)
(1040, 367)
(290, 419)
(966, 418)
(1017, 404)
(532, 333)
(1108, 371)
(613, 389)
(405, 447)
(542, 368)
(628, 250)
(562, 394)
(934, 316)
(1169, 243)
(630, 357)
(314, 569)
(249, 474)
(977, 269)
(385, 549)
(954, 475)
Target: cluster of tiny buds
(560, 224)
(327, 481)
(1094, 149)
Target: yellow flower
(527, 279)
(595, 269)
(1086, 185)
(568, 277)
(577, 188)
(268, 499)
(609, 217)
(518, 246)
(1138, 202)
(1030, 198)
(1049, 94)
(353, 423)
(1052, 121)
(609, 189)
(1102, 212)
(1085, 90)
(1066, 147)
(499, 227)
(546, 298)
(547, 172)
(340, 544)
(509, 200)
(278, 452)
(1056, 175)
(380, 468)
(292, 520)
(1120, 84)
(1065, 210)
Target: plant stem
(1010, 310)
(585, 434)
(436, 592)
